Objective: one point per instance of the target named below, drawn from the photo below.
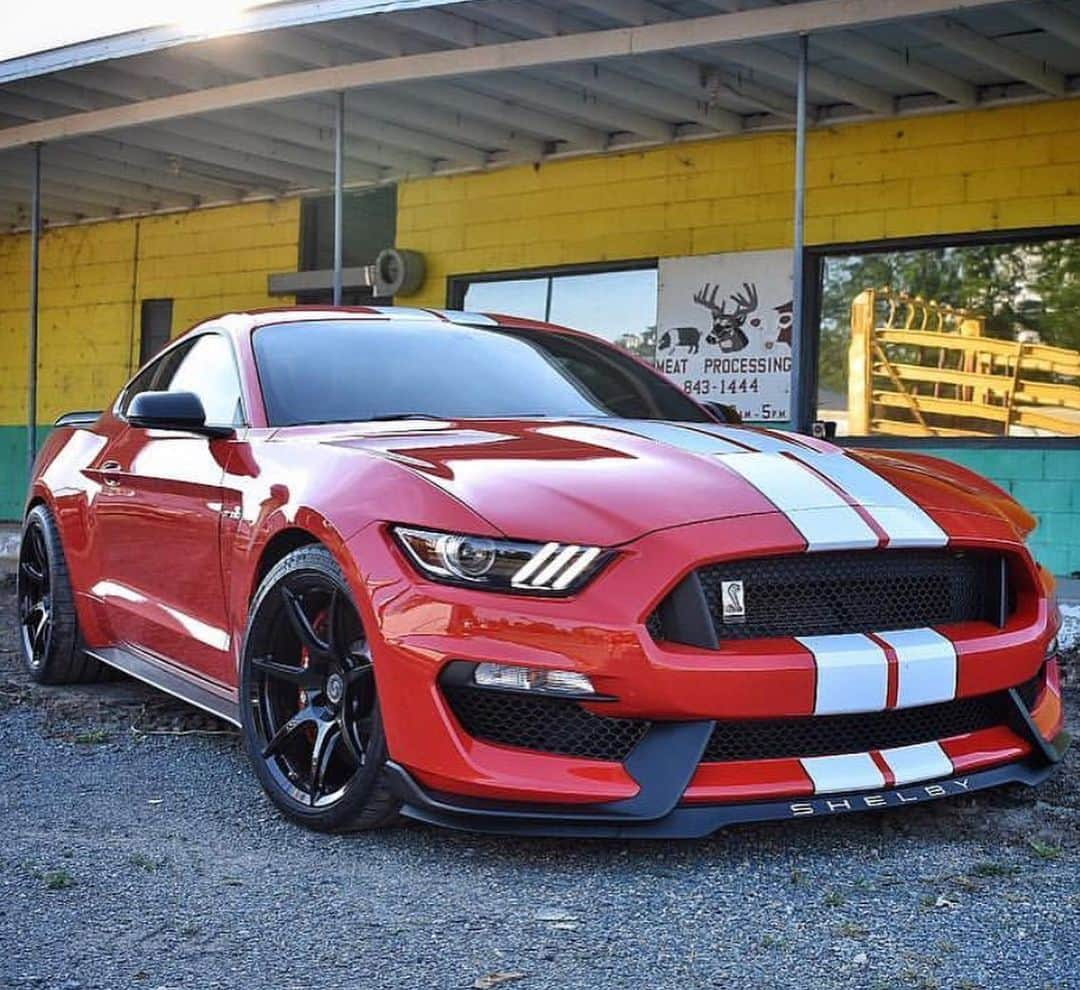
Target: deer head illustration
(727, 328)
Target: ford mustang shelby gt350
(499, 575)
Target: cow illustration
(727, 328)
(784, 319)
(688, 337)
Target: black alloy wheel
(48, 626)
(35, 597)
(309, 704)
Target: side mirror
(173, 411)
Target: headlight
(501, 565)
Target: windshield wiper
(408, 415)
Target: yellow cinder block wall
(1009, 167)
(93, 280)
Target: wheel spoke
(358, 675)
(335, 626)
(303, 677)
(32, 571)
(37, 544)
(306, 714)
(326, 742)
(302, 625)
(38, 636)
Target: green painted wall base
(13, 470)
(1045, 480)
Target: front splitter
(689, 821)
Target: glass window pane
(353, 370)
(618, 306)
(974, 340)
(209, 371)
(524, 297)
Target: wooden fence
(920, 368)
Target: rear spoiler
(87, 418)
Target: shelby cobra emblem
(734, 605)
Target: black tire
(304, 733)
(48, 625)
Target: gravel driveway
(134, 859)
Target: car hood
(609, 481)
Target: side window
(209, 370)
(155, 377)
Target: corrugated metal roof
(438, 88)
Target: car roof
(246, 321)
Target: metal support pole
(800, 375)
(35, 253)
(339, 180)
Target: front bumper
(664, 763)
(443, 773)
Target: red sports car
(498, 575)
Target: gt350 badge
(884, 799)
(732, 601)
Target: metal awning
(156, 121)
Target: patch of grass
(143, 862)
(771, 941)
(852, 929)
(798, 877)
(57, 880)
(928, 901)
(93, 737)
(833, 899)
(1044, 850)
(992, 869)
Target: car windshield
(337, 371)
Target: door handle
(110, 469)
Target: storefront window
(970, 340)
(619, 306)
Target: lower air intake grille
(814, 594)
(553, 725)
(829, 735)
(548, 725)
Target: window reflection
(977, 340)
(619, 306)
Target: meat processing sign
(724, 329)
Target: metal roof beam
(1053, 20)
(578, 105)
(899, 66)
(960, 38)
(94, 183)
(545, 125)
(719, 29)
(892, 63)
(440, 25)
(782, 66)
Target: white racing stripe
(905, 522)
(852, 673)
(836, 774)
(923, 761)
(825, 520)
(691, 440)
(927, 666)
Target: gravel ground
(132, 859)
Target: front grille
(829, 735)
(815, 594)
(553, 725)
(548, 725)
